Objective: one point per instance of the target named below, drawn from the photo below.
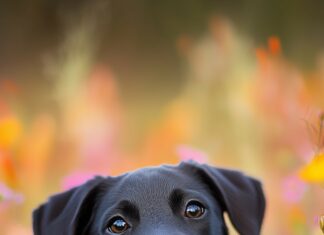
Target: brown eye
(194, 209)
(117, 225)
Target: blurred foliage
(103, 87)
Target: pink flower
(8, 196)
(187, 153)
(293, 189)
(75, 179)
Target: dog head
(188, 199)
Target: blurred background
(107, 86)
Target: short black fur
(154, 201)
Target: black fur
(153, 200)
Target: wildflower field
(104, 87)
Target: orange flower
(7, 169)
(274, 45)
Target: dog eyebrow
(129, 209)
(176, 199)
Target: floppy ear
(68, 213)
(241, 196)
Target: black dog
(188, 199)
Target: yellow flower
(314, 171)
(10, 130)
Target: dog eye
(117, 225)
(194, 209)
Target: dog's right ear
(68, 213)
(240, 196)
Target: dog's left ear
(68, 213)
(241, 196)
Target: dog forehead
(150, 180)
(151, 184)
